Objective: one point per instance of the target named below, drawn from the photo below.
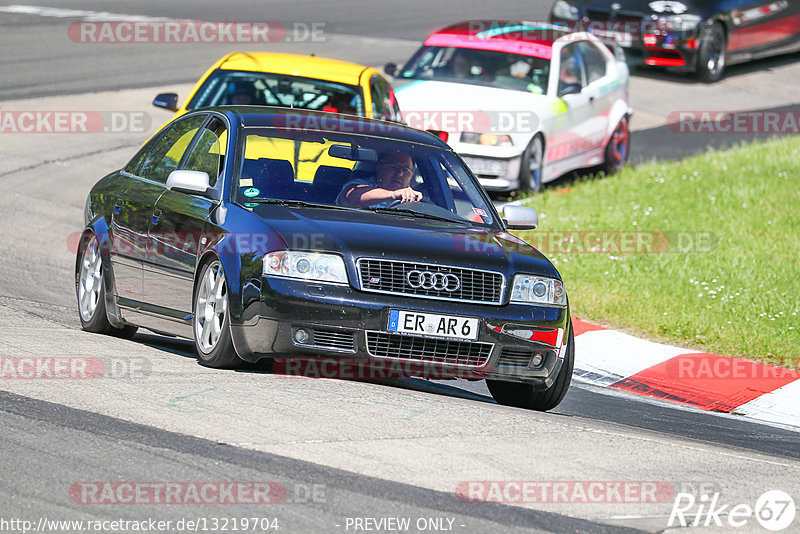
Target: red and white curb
(709, 382)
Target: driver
(391, 184)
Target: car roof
(295, 65)
(516, 36)
(308, 120)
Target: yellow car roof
(294, 65)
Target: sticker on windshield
(246, 182)
(250, 204)
(251, 192)
(480, 212)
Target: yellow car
(288, 80)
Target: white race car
(522, 102)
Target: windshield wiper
(406, 211)
(300, 203)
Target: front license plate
(431, 324)
(492, 167)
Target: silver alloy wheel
(716, 57)
(90, 280)
(211, 307)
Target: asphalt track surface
(377, 448)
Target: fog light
(536, 361)
(301, 336)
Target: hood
(659, 7)
(459, 107)
(356, 234)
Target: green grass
(737, 294)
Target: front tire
(531, 166)
(90, 288)
(618, 148)
(522, 395)
(713, 53)
(211, 320)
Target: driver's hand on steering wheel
(407, 194)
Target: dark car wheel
(91, 291)
(530, 170)
(713, 53)
(617, 148)
(523, 396)
(212, 333)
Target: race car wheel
(530, 171)
(713, 53)
(211, 321)
(617, 148)
(91, 291)
(522, 395)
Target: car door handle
(156, 216)
(591, 99)
(118, 206)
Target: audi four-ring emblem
(430, 280)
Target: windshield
(486, 67)
(358, 172)
(241, 88)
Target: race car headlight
(564, 10)
(487, 139)
(306, 266)
(529, 289)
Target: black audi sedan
(276, 233)
(701, 36)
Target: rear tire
(211, 319)
(90, 288)
(531, 165)
(522, 395)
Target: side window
(384, 104)
(208, 153)
(166, 153)
(571, 69)
(594, 60)
(135, 164)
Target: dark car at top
(227, 228)
(702, 36)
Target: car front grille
(386, 276)
(328, 339)
(515, 357)
(423, 349)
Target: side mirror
(167, 101)
(569, 89)
(520, 217)
(390, 69)
(194, 182)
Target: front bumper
(348, 325)
(493, 173)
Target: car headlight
(529, 289)
(306, 266)
(487, 139)
(564, 10)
